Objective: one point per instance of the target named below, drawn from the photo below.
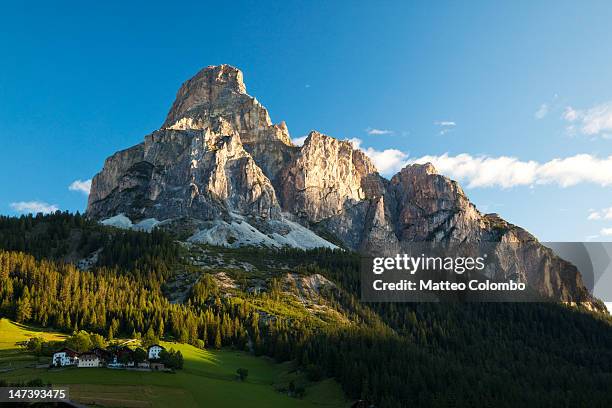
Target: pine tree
(24, 309)
(218, 338)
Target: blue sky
(492, 92)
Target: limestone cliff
(198, 164)
(218, 93)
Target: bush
(171, 358)
(34, 345)
(243, 373)
(139, 355)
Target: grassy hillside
(11, 354)
(208, 378)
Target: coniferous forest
(390, 355)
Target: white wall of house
(89, 362)
(63, 359)
(154, 352)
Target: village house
(114, 357)
(65, 357)
(154, 350)
(89, 359)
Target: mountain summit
(212, 86)
(221, 172)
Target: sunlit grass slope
(208, 379)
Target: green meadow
(208, 378)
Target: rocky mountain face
(219, 167)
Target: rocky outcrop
(183, 173)
(430, 207)
(219, 162)
(334, 185)
(218, 94)
(327, 177)
(216, 153)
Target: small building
(65, 357)
(89, 359)
(154, 350)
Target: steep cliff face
(327, 177)
(183, 173)
(431, 207)
(218, 94)
(331, 184)
(219, 164)
(199, 164)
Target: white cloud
(542, 111)
(570, 114)
(445, 126)
(388, 161)
(605, 214)
(80, 185)
(593, 121)
(299, 141)
(34, 207)
(483, 171)
(594, 216)
(606, 231)
(505, 172)
(374, 131)
(580, 168)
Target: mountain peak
(213, 85)
(420, 169)
(222, 76)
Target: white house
(89, 360)
(65, 357)
(154, 351)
